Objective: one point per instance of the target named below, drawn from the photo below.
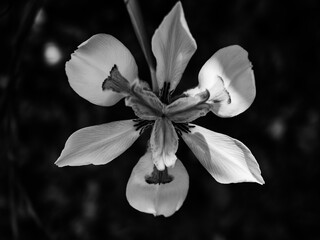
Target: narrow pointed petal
(91, 64)
(226, 159)
(98, 144)
(173, 46)
(157, 199)
(229, 77)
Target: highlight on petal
(226, 159)
(98, 144)
(173, 46)
(91, 64)
(229, 77)
(163, 143)
(157, 199)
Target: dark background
(39, 111)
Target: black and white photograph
(159, 120)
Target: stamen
(182, 127)
(159, 177)
(142, 125)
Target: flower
(103, 71)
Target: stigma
(163, 143)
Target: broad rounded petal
(91, 64)
(98, 144)
(226, 159)
(157, 199)
(173, 46)
(229, 77)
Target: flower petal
(188, 108)
(91, 64)
(163, 143)
(98, 144)
(228, 76)
(226, 159)
(157, 199)
(173, 46)
(145, 103)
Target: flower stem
(138, 26)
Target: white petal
(229, 69)
(173, 46)
(98, 144)
(226, 159)
(157, 199)
(163, 143)
(145, 104)
(91, 64)
(189, 108)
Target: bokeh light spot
(40, 18)
(277, 129)
(52, 54)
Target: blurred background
(39, 111)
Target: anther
(182, 127)
(142, 125)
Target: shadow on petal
(226, 159)
(172, 46)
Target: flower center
(168, 117)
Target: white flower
(103, 71)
